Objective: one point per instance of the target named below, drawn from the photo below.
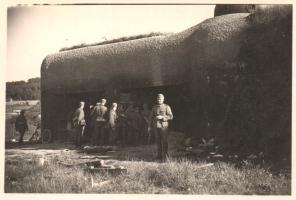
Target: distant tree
(34, 80)
(22, 90)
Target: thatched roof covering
(147, 62)
(116, 40)
(217, 41)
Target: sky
(36, 31)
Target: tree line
(22, 90)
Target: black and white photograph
(155, 98)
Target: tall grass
(174, 177)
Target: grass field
(25, 174)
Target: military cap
(160, 96)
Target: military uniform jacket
(79, 117)
(21, 123)
(99, 113)
(112, 118)
(163, 110)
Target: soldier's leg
(78, 136)
(101, 134)
(117, 138)
(22, 133)
(164, 134)
(119, 135)
(111, 136)
(158, 142)
(161, 143)
(82, 136)
(95, 133)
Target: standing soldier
(21, 125)
(91, 124)
(79, 123)
(112, 124)
(159, 117)
(93, 121)
(99, 116)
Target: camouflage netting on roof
(121, 39)
(147, 62)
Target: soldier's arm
(169, 114)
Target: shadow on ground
(145, 153)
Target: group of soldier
(128, 126)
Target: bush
(261, 109)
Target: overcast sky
(36, 31)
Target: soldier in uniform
(99, 119)
(93, 120)
(79, 123)
(158, 121)
(112, 124)
(21, 125)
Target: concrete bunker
(181, 65)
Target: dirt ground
(68, 153)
